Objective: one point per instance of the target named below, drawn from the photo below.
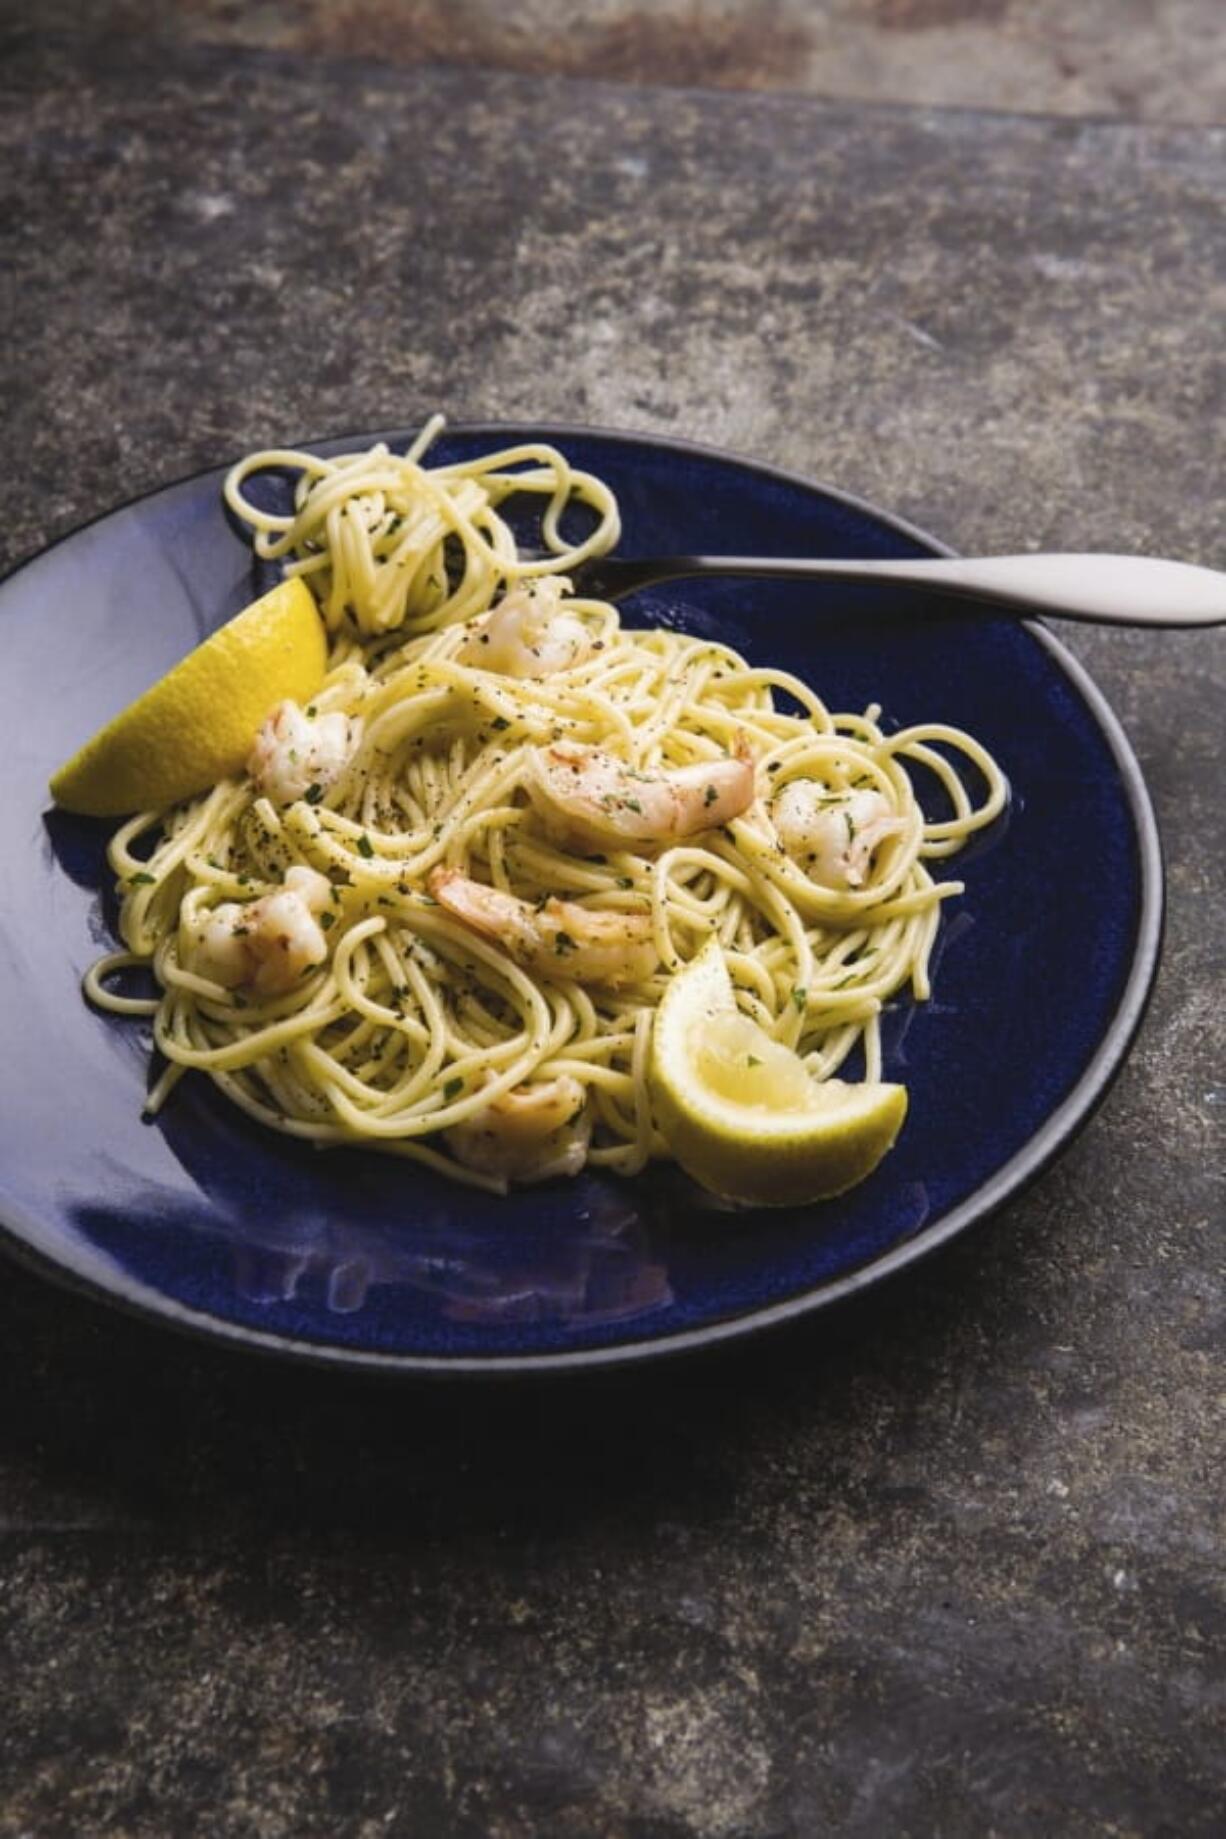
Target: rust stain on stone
(752, 48)
(402, 32)
(918, 15)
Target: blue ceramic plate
(206, 1221)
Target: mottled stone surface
(946, 1563)
(1156, 60)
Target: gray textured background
(946, 1563)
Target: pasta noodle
(432, 1025)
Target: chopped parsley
(710, 795)
(365, 846)
(327, 921)
(800, 996)
(499, 723)
(452, 1089)
(141, 880)
(563, 943)
(314, 793)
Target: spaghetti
(524, 820)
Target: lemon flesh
(740, 1113)
(196, 724)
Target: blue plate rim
(1068, 1119)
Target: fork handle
(1110, 589)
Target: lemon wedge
(196, 725)
(739, 1111)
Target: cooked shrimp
(527, 1134)
(527, 635)
(559, 938)
(832, 835)
(294, 752)
(587, 799)
(265, 944)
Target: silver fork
(1109, 589)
